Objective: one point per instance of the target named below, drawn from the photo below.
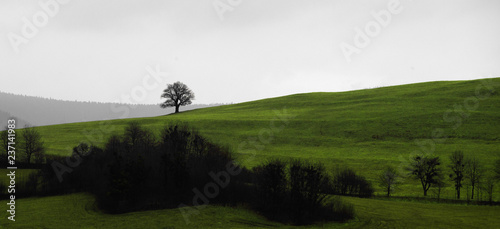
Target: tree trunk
(423, 186)
(388, 191)
(458, 193)
(177, 109)
(28, 158)
(490, 194)
(467, 194)
(472, 196)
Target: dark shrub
(26, 185)
(347, 182)
(137, 172)
(296, 193)
(337, 210)
(271, 188)
(308, 186)
(365, 187)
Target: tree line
(429, 172)
(141, 170)
(30, 147)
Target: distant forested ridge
(38, 111)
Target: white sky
(99, 50)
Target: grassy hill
(365, 130)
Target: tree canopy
(426, 169)
(177, 94)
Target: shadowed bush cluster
(141, 171)
(296, 193)
(137, 171)
(347, 182)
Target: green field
(77, 211)
(365, 130)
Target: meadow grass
(373, 213)
(78, 211)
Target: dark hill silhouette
(38, 111)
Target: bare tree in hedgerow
(496, 169)
(427, 170)
(32, 144)
(177, 94)
(4, 140)
(3, 145)
(488, 185)
(389, 179)
(440, 185)
(458, 168)
(473, 173)
(491, 179)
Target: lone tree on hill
(177, 94)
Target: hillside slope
(365, 129)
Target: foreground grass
(374, 213)
(77, 211)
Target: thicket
(347, 182)
(137, 171)
(296, 192)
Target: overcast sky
(236, 51)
